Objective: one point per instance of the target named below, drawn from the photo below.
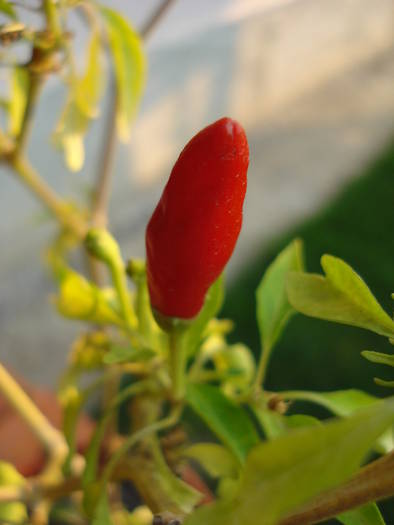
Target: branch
(50, 437)
(105, 171)
(374, 482)
(47, 196)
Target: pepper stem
(177, 361)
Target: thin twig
(35, 83)
(48, 197)
(373, 483)
(105, 168)
(48, 435)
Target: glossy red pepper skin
(195, 226)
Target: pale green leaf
(129, 65)
(273, 308)
(7, 9)
(215, 459)
(340, 296)
(20, 82)
(282, 474)
(383, 382)
(227, 420)
(81, 106)
(378, 357)
(366, 515)
(344, 403)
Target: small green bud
(103, 246)
(135, 269)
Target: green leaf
(344, 403)
(124, 354)
(14, 512)
(81, 107)
(213, 302)
(129, 64)
(275, 424)
(215, 459)
(227, 420)
(341, 296)
(7, 9)
(366, 515)
(282, 474)
(382, 382)
(20, 82)
(378, 357)
(273, 308)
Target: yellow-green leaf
(20, 83)
(81, 107)
(129, 66)
(341, 296)
(282, 474)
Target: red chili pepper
(193, 230)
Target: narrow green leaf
(129, 64)
(342, 296)
(20, 83)
(7, 9)
(383, 382)
(213, 302)
(215, 459)
(273, 308)
(81, 106)
(366, 515)
(378, 357)
(282, 474)
(344, 403)
(227, 420)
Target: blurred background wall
(312, 83)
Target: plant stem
(52, 440)
(47, 196)
(262, 368)
(374, 482)
(105, 170)
(133, 440)
(35, 83)
(51, 14)
(177, 362)
(120, 283)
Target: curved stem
(47, 196)
(50, 437)
(133, 440)
(262, 367)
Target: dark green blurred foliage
(357, 226)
